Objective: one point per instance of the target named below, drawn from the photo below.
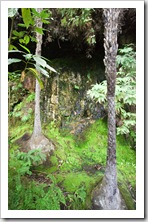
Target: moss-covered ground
(78, 162)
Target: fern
(77, 199)
(25, 194)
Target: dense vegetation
(77, 165)
(66, 178)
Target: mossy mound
(129, 201)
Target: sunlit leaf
(50, 68)
(12, 12)
(26, 39)
(12, 47)
(41, 70)
(10, 61)
(15, 51)
(18, 34)
(44, 14)
(36, 74)
(35, 12)
(28, 56)
(39, 60)
(25, 48)
(26, 15)
(22, 25)
(39, 30)
(33, 39)
(45, 21)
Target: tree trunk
(38, 140)
(107, 195)
(37, 120)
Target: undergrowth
(72, 166)
(25, 194)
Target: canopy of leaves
(80, 26)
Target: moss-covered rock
(127, 196)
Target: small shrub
(23, 110)
(125, 91)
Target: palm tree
(107, 195)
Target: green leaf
(28, 56)
(12, 12)
(27, 18)
(39, 60)
(21, 41)
(26, 39)
(41, 70)
(10, 61)
(22, 25)
(39, 30)
(25, 48)
(12, 47)
(33, 39)
(44, 14)
(63, 21)
(76, 87)
(45, 21)
(18, 34)
(50, 68)
(35, 12)
(36, 74)
(25, 118)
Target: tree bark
(38, 140)
(107, 195)
(37, 120)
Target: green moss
(54, 160)
(73, 153)
(126, 196)
(73, 181)
(91, 148)
(52, 169)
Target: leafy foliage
(125, 90)
(39, 62)
(30, 195)
(67, 165)
(77, 199)
(79, 20)
(27, 34)
(12, 12)
(23, 110)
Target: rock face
(64, 99)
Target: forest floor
(78, 162)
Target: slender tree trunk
(11, 30)
(37, 120)
(108, 197)
(111, 47)
(38, 140)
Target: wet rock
(65, 98)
